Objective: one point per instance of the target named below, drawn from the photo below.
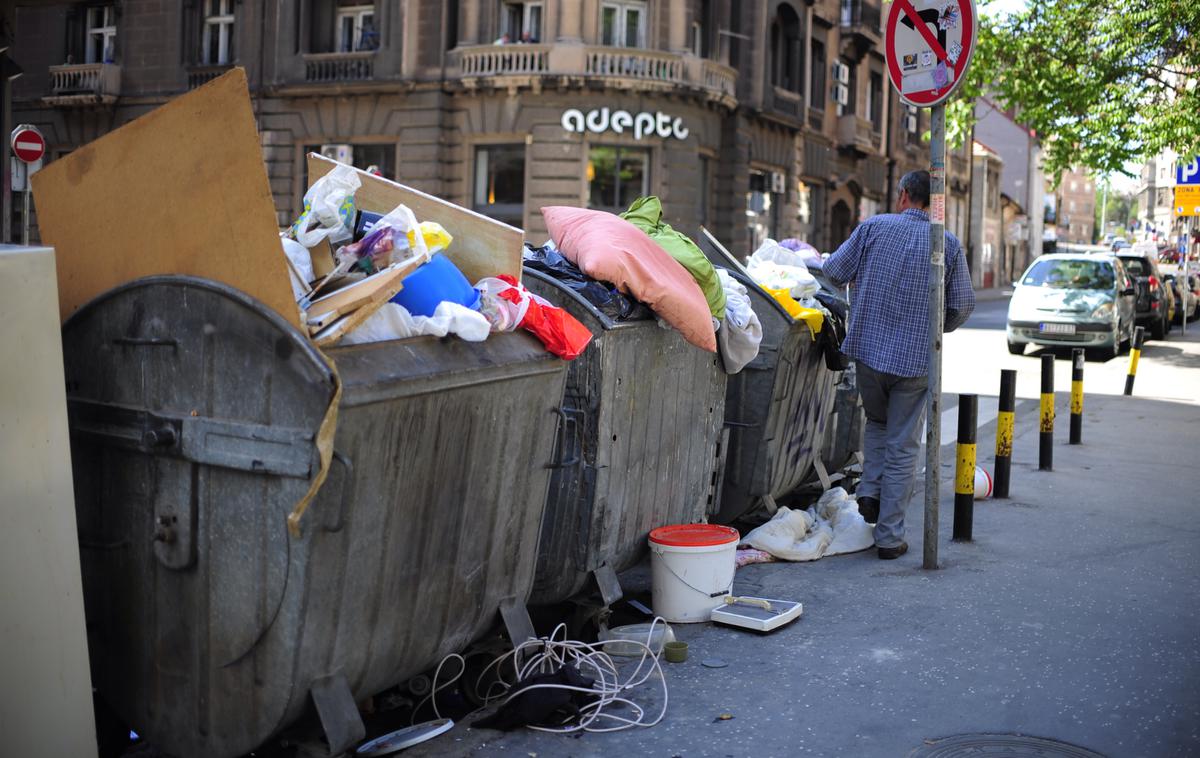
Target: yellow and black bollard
(964, 475)
(1139, 336)
(1046, 424)
(1076, 396)
(1004, 431)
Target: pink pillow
(611, 249)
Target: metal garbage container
(844, 432)
(777, 408)
(641, 435)
(194, 410)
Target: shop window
(217, 36)
(762, 216)
(356, 29)
(787, 53)
(623, 24)
(875, 101)
(500, 183)
(617, 176)
(521, 22)
(101, 40)
(818, 75)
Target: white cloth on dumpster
(831, 527)
(395, 322)
(741, 332)
(775, 267)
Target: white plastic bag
(792, 535)
(504, 315)
(394, 322)
(328, 208)
(775, 267)
(301, 262)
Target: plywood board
(181, 190)
(481, 247)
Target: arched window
(787, 50)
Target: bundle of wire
(550, 654)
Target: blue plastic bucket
(433, 283)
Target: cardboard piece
(379, 289)
(360, 293)
(181, 190)
(482, 246)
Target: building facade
(766, 118)
(1074, 207)
(1156, 198)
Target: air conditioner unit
(777, 182)
(841, 94)
(339, 153)
(841, 72)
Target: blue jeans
(895, 410)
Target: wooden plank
(481, 247)
(181, 190)
(362, 292)
(392, 284)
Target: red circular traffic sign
(28, 144)
(928, 46)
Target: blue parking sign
(1187, 173)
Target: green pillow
(646, 214)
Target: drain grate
(997, 745)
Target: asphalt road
(1071, 616)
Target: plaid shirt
(887, 259)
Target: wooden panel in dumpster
(482, 246)
(181, 190)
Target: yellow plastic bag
(811, 316)
(436, 238)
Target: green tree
(1102, 82)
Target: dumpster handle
(147, 341)
(740, 424)
(565, 417)
(347, 478)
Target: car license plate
(1057, 328)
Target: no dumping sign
(928, 45)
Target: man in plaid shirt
(886, 260)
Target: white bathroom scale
(758, 613)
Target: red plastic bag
(559, 331)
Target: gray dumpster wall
(209, 640)
(778, 408)
(642, 427)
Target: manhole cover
(1007, 745)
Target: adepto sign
(642, 125)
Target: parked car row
(1094, 299)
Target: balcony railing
(205, 73)
(632, 65)
(86, 83)
(505, 60)
(861, 13)
(787, 102)
(856, 133)
(339, 67)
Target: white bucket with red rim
(693, 566)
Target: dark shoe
(892, 553)
(869, 508)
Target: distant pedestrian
(886, 261)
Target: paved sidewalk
(1073, 615)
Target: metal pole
(1104, 208)
(937, 308)
(1076, 396)
(1004, 430)
(25, 210)
(1139, 337)
(1183, 282)
(1046, 425)
(964, 475)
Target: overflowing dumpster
(195, 412)
(640, 437)
(779, 408)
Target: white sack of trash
(831, 527)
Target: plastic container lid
(619, 639)
(694, 535)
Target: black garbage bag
(542, 706)
(834, 330)
(608, 299)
